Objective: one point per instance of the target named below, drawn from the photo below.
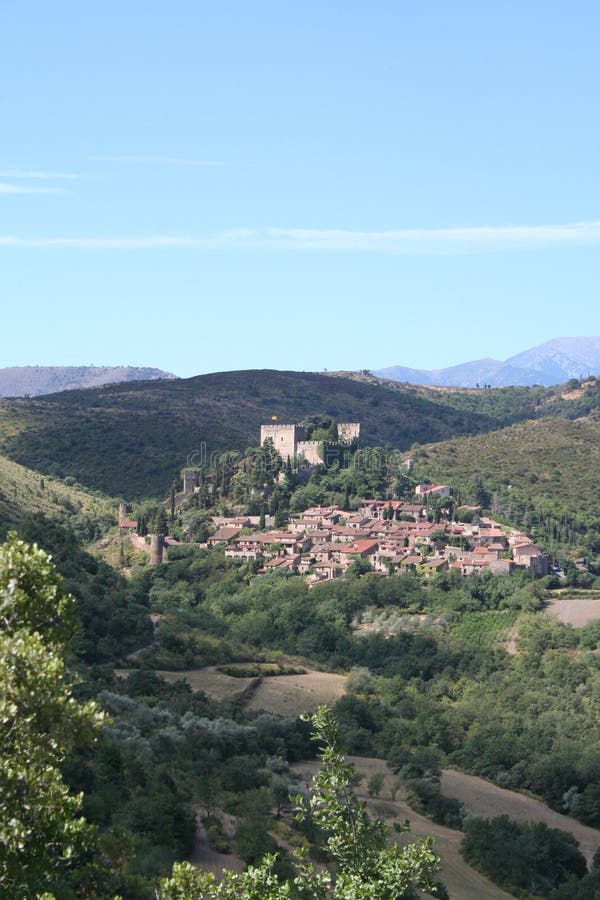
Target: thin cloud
(160, 160)
(19, 174)
(28, 189)
(436, 242)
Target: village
(426, 537)
(381, 536)
(387, 536)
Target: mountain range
(553, 362)
(33, 381)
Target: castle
(290, 440)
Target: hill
(542, 475)
(551, 363)
(25, 493)
(33, 381)
(132, 439)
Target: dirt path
(205, 857)
(510, 644)
(462, 882)
(482, 798)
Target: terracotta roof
(363, 546)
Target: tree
(375, 784)
(367, 865)
(41, 830)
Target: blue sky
(209, 186)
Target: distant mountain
(553, 362)
(33, 381)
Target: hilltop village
(381, 536)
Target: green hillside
(26, 493)
(543, 475)
(132, 439)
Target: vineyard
(484, 628)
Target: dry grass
(482, 798)
(284, 695)
(215, 684)
(290, 695)
(576, 611)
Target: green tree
(41, 830)
(375, 784)
(367, 865)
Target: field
(290, 695)
(479, 796)
(575, 610)
(483, 628)
(278, 694)
(482, 798)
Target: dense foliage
(42, 831)
(367, 865)
(526, 858)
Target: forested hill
(132, 439)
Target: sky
(207, 186)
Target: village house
(224, 535)
(433, 490)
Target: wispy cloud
(440, 241)
(160, 160)
(29, 189)
(25, 175)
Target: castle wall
(157, 544)
(310, 451)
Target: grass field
(482, 798)
(285, 695)
(463, 882)
(290, 695)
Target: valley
(386, 577)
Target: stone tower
(348, 432)
(189, 481)
(285, 438)
(157, 544)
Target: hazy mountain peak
(552, 362)
(32, 381)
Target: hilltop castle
(290, 440)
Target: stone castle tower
(285, 438)
(348, 432)
(157, 546)
(289, 440)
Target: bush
(425, 797)
(523, 857)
